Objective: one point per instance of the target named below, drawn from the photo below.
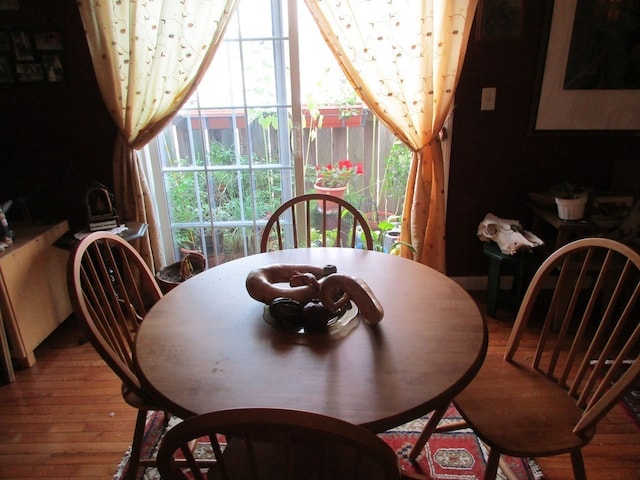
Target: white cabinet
(33, 288)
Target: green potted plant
(336, 176)
(333, 179)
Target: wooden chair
(111, 289)
(274, 444)
(546, 398)
(329, 213)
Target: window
(226, 160)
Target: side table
(566, 230)
(519, 262)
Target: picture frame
(28, 56)
(48, 40)
(52, 65)
(29, 72)
(499, 20)
(22, 46)
(563, 107)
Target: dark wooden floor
(64, 418)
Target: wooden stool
(519, 263)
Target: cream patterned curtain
(404, 58)
(149, 56)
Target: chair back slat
(103, 305)
(584, 300)
(111, 289)
(268, 444)
(322, 213)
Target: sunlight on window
(224, 163)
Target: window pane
(221, 86)
(259, 58)
(187, 197)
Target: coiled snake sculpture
(307, 283)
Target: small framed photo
(48, 40)
(499, 20)
(52, 65)
(6, 69)
(22, 47)
(29, 72)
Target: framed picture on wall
(22, 46)
(499, 20)
(591, 76)
(52, 65)
(29, 72)
(31, 56)
(48, 40)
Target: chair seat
(520, 412)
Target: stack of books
(103, 225)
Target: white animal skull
(508, 234)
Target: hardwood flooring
(65, 419)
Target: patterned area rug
(455, 455)
(631, 402)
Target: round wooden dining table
(206, 344)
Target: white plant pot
(390, 237)
(571, 208)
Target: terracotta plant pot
(335, 191)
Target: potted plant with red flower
(333, 179)
(336, 176)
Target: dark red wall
(55, 138)
(495, 156)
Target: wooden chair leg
(577, 463)
(167, 419)
(429, 428)
(492, 465)
(136, 446)
(493, 287)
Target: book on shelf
(106, 225)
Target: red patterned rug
(457, 455)
(631, 402)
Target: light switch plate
(488, 101)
